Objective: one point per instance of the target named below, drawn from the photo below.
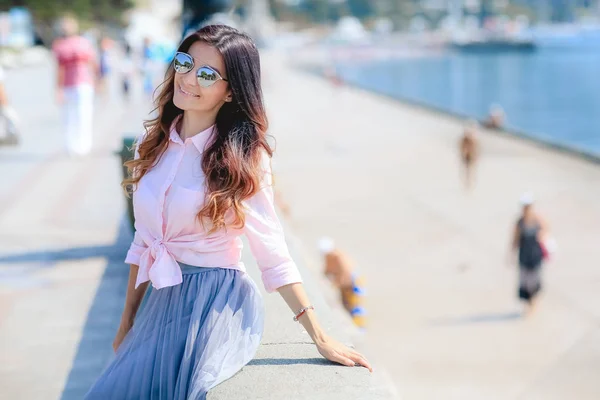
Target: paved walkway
(382, 178)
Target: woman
(527, 240)
(201, 178)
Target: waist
(195, 253)
(191, 269)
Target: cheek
(177, 80)
(213, 95)
(176, 85)
(179, 100)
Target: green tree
(89, 12)
(46, 11)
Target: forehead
(205, 54)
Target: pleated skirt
(187, 338)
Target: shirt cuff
(281, 275)
(134, 254)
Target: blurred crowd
(88, 68)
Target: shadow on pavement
(477, 319)
(95, 349)
(112, 252)
(291, 361)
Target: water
(551, 94)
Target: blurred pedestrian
(332, 75)
(9, 131)
(201, 178)
(76, 73)
(105, 46)
(496, 117)
(528, 242)
(148, 66)
(469, 151)
(128, 69)
(342, 274)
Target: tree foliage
(46, 11)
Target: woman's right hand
(120, 336)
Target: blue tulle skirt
(187, 338)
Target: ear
(229, 97)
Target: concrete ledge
(297, 371)
(288, 365)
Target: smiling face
(189, 95)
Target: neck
(192, 123)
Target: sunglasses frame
(198, 70)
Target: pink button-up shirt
(166, 203)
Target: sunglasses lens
(183, 63)
(207, 76)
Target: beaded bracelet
(302, 312)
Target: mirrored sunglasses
(206, 75)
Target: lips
(186, 93)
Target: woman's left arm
(279, 272)
(296, 298)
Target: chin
(186, 104)
(181, 103)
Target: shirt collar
(199, 140)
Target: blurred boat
(498, 36)
(495, 45)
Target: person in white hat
(528, 238)
(341, 272)
(496, 117)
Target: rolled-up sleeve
(266, 238)
(138, 246)
(136, 250)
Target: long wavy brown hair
(232, 163)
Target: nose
(190, 79)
